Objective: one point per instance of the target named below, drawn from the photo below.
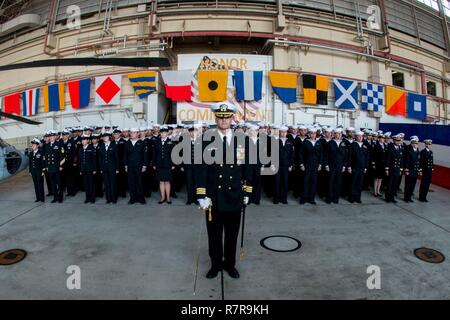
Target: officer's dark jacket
(135, 156)
(108, 159)
(286, 153)
(87, 159)
(120, 146)
(70, 150)
(54, 157)
(36, 163)
(162, 153)
(378, 156)
(254, 152)
(197, 143)
(394, 160)
(336, 155)
(311, 155)
(358, 156)
(225, 183)
(298, 144)
(426, 160)
(412, 161)
(149, 145)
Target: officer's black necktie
(224, 149)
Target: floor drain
(12, 256)
(429, 255)
(279, 243)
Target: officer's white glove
(319, 168)
(302, 167)
(365, 170)
(343, 169)
(246, 199)
(204, 203)
(349, 170)
(126, 168)
(327, 168)
(144, 168)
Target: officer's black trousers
(190, 182)
(109, 178)
(298, 183)
(55, 178)
(98, 178)
(281, 185)
(49, 183)
(70, 181)
(255, 182)
(410, 185)
(334, 185)
(122, 182)
(425, 185)
(392, 185)
(38, 181)
(357, 183)
(323, 182)
(89, 186)
(230, 222)
(346, 184)
(309, 186)
(135, 184)
(147, 183)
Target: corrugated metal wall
(401, 16)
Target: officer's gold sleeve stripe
(201, 191)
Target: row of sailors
(331, 162)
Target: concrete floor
(149, 252)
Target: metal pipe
(387, 33)
(415, 66)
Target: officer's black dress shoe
(86, 201)
(358, 201)
(284, 202)
(60, 201)
(312, 202)
(161, 201)
(37, 200)
(337, 202)
(54, 201)
(188, 203)
(232, 272)
(212, 273)
(92, 201)
(169, 202)
(142, 202)
(49, 194)
(114, 202)
(108, 202)
(394, 201)
(130, 202)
